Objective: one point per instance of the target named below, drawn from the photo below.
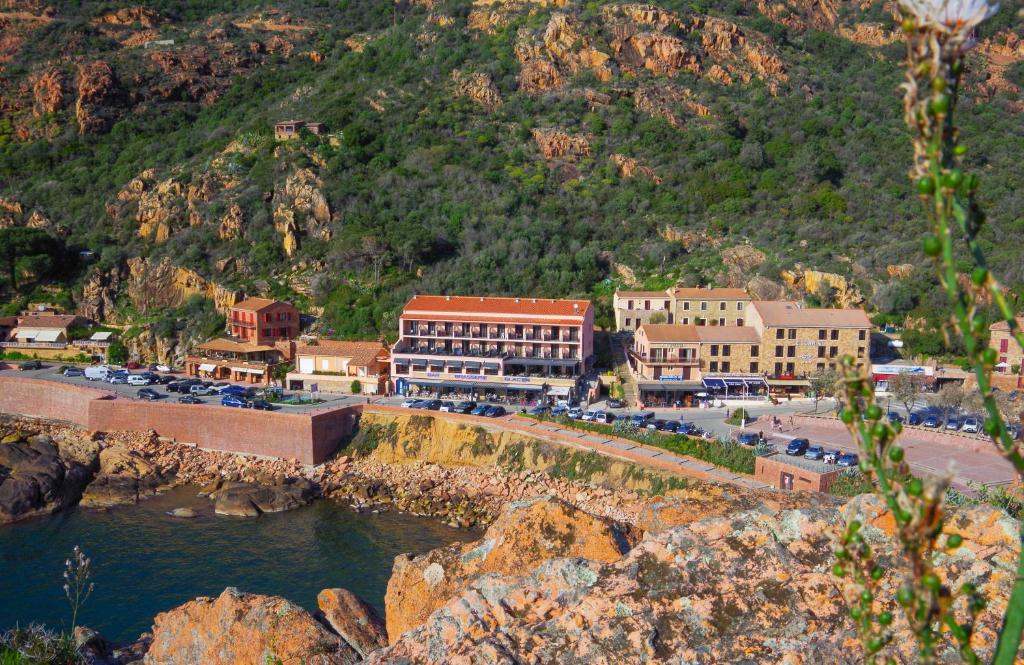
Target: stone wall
(39, 398)
(770, 470)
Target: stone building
(332, 366)
(636, 308)
(1010, 356)
(686, 306)
(290, 129)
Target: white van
(98, 373)
(138, 380)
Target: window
(755, 351)
(778, 369)
(822, 334)
(780, 334)
(861, 334)
(739, 322)
(833, 351)
(1004, 345)
(721, 307)
(753, 368)
(792, 333)
(714, 366)
(821, 351)
(721, 322)
(686, 321)
(725, 366)
(714, 349)
(834, 335)
(739, 306)
(790, 368)
(704, 306)
(268, 317)
(666, 305)
(647, 304)
(778, 351)
(726, 350)
(686, 305)
(860, 351)
(629, 304)
(791, 352)
(627, 323)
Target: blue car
(797, 447)
(914, 419)
(931, 420)
(559, 411)
(686, 428)
(235, 401)
(953, 423)
(480, 410)
(814, 453)
(538, 410)
(848, 459)
(747, 439)
(895, 417)
(237, 391)
(495, 411)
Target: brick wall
(40, 398)
(770, 470)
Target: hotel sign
(479, 377)
(670, 377)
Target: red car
(133, 365)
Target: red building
(263, 321)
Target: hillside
(556, 148)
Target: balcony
(33, 345)
(571, 337)
(242, 324)
(685, 361)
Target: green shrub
(356, 387)
(739, 416)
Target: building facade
(685, 306)
(467, 346)
(263, 321)
(1008, 352)
(41, 331)
(290, 129)
(332, 366)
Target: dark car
(671, 426)
(657, 423)
(814, 452)
(464, 407)
(847, 459)
(148, 394)
(931, 420)
(640, 419)
(831, 456)
(165, 380)
(261, 405)
(953, 423)
(616, 404)
(747, 439)
(914, 419)
(797, 447)
(238, 391)
(538, 410)
(686, 428)
(74, 371)
(189, 399)
(431, 404)
(479, 410)
(31, 364)
(495, 411)
(895, 417)
(235, 401)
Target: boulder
(356, 622)
(525, 534)
(35, 480)
(242, 628)
(184, 513)
(243, 499)
(124, 478)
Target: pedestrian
(760, 436)
(791, 425)
(727, 413)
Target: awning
(240, 370)
(28, 333)
(790, 382)
(558, 391)
(492, 366)
(401, 361)
(737, 383)
(48, 335)
(436, 362)
(207, 367)
(713, 383)
(754, 382)
(670, 386)
(453, 363)
(257, 372)
(424, 382)
(101, 336)
(472, 365)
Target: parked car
(479, 410)
(971, 425)
(604, 417)
(686, 428)
(261, 405)
(117, 378)
(953, 423)
(30, 364)
(914, 419)
(655, 424)
(814, 452)
(559, 411)
(148, 394)
(538, 410)
(162, 368)
(465, 407)
(895, 417)
(575, 413)
(616, 404)
(132, 365)
(237, 391)
(235, 401)
(847, 459)
(797, 447)
(71, 372)
(1015, 431)
(931, 420)
(98, 373)
(589, 415)
(447, 406)
(747, 439)
(138, 380)
(495, 411)
(200, 389)
(407, 404)
(831, 456)
(640, 419)
(430, 404)
(165, 380)
(190, 399)
(178, 387)
(669, 426)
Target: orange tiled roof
(710, 294)
(1002, 326)
(728, 334)
(782, 313)
(642, 294)
(48, 320)
(668, 333)
(494, 308)
(360, 354)
(256, 304)
(224, 344)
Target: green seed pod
(915, 487)
(925, 186)
(978, 604)
(979, 325)
(885, 618)
(931, 582)
(905, 595)
(988, 356)
(932, 245)
(939, 104)
(908, 25)
(897, 427)
(874, 645)
(847, 360)
(854, 526)
(880, 432)
(938, 84)
(960, 150)
(846, 415)
(856, 613)
(842, 553)
(865, 466)
(856, 538)
(957, 67)
(874, 412)
(896, 454)
(954, 541)
(866, 596)
(903, 517)
(838, 571)
(877, 573)
(978, 276)
(953, 179)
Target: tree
(357, 387)
(824, 384)
(25, 250)
(905, 389)
(117, 354)
(949, 398)
(658, 317)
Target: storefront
(736, 387)
(670, 393)
(480, 391)
(788, 387)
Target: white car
(971, 425)
(163, 368)
(407, 404)
(117, 378)
(603, 417)
(575, 413)
(138, 380)
(590, 415)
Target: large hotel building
(513, 347)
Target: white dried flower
(950, 15)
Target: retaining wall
(39, 398)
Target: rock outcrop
(125, 477)
(554, 143)
(253, 499)
(629, 167)
(523, 536)
(301, 199)
(817, 283)
(99, 97)
(353, 620)
(162, 285)
(238, 628)
(479, 87)
(35, 479)
(669, 102)
(48, 92)
(750, 586)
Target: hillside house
(290, 129)
(333, 365)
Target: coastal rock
(184, 513)
(48, 92)
(36, 480)
(125, 477)
(243, 629)
(356, 622)
(523, 536)
(748, 587)
(251, 499)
